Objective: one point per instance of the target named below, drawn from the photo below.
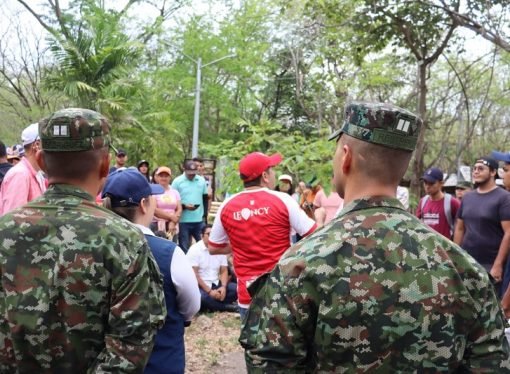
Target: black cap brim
(335, 135)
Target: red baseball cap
(254, 164)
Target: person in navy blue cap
(437, 209)
(128, 193)
(483, 223)
(504, 171)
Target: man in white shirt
(218, 294)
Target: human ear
(346, 161)
(144, 205)
(39, 157)
(105, 165)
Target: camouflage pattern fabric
(74, 130)
(80, 290)
(383, 124)
(375, 291)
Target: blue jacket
(168, 353)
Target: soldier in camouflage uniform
(375, 289)
(80, 290)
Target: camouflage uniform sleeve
(137, 310)
(486, 343)
(280, 325)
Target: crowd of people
(102, 267)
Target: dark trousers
(186, 231)
(213, 305)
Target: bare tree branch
(39, 19)
(467, 21)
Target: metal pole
(194, 144)
(196, 118)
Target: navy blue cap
(488, 161)
(127, 187)
(501, 156)
(432, 175)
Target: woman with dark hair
(143, 167)
(127, 193)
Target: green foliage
(304, 157)
(94, 60)
(294, 69)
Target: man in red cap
(255, 224)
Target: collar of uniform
(371, 202)
(67, 189)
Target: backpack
(447, 208)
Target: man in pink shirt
(23, 182)
(255, 224)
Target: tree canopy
(295, 64)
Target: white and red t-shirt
(258, 224)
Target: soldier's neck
(89, 185)
(354, 191)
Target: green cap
(74, 130)
(379, 123)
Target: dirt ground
(212, 346)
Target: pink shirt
(21, 184)
(167, 201)
(258, 224)
(331, 204)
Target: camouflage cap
(74, 130)
(380, 123)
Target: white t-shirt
(184, 280)
(208, 265)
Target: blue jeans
(243, 312)
(213, 305)
(186, 230)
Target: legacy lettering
(246, 213)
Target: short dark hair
(128, 213)
(72, 165)
(386, 164)
(255, 182)
(187, 164)
(3, 149)
(205, 227)
(198, 159)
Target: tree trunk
(419, 153)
